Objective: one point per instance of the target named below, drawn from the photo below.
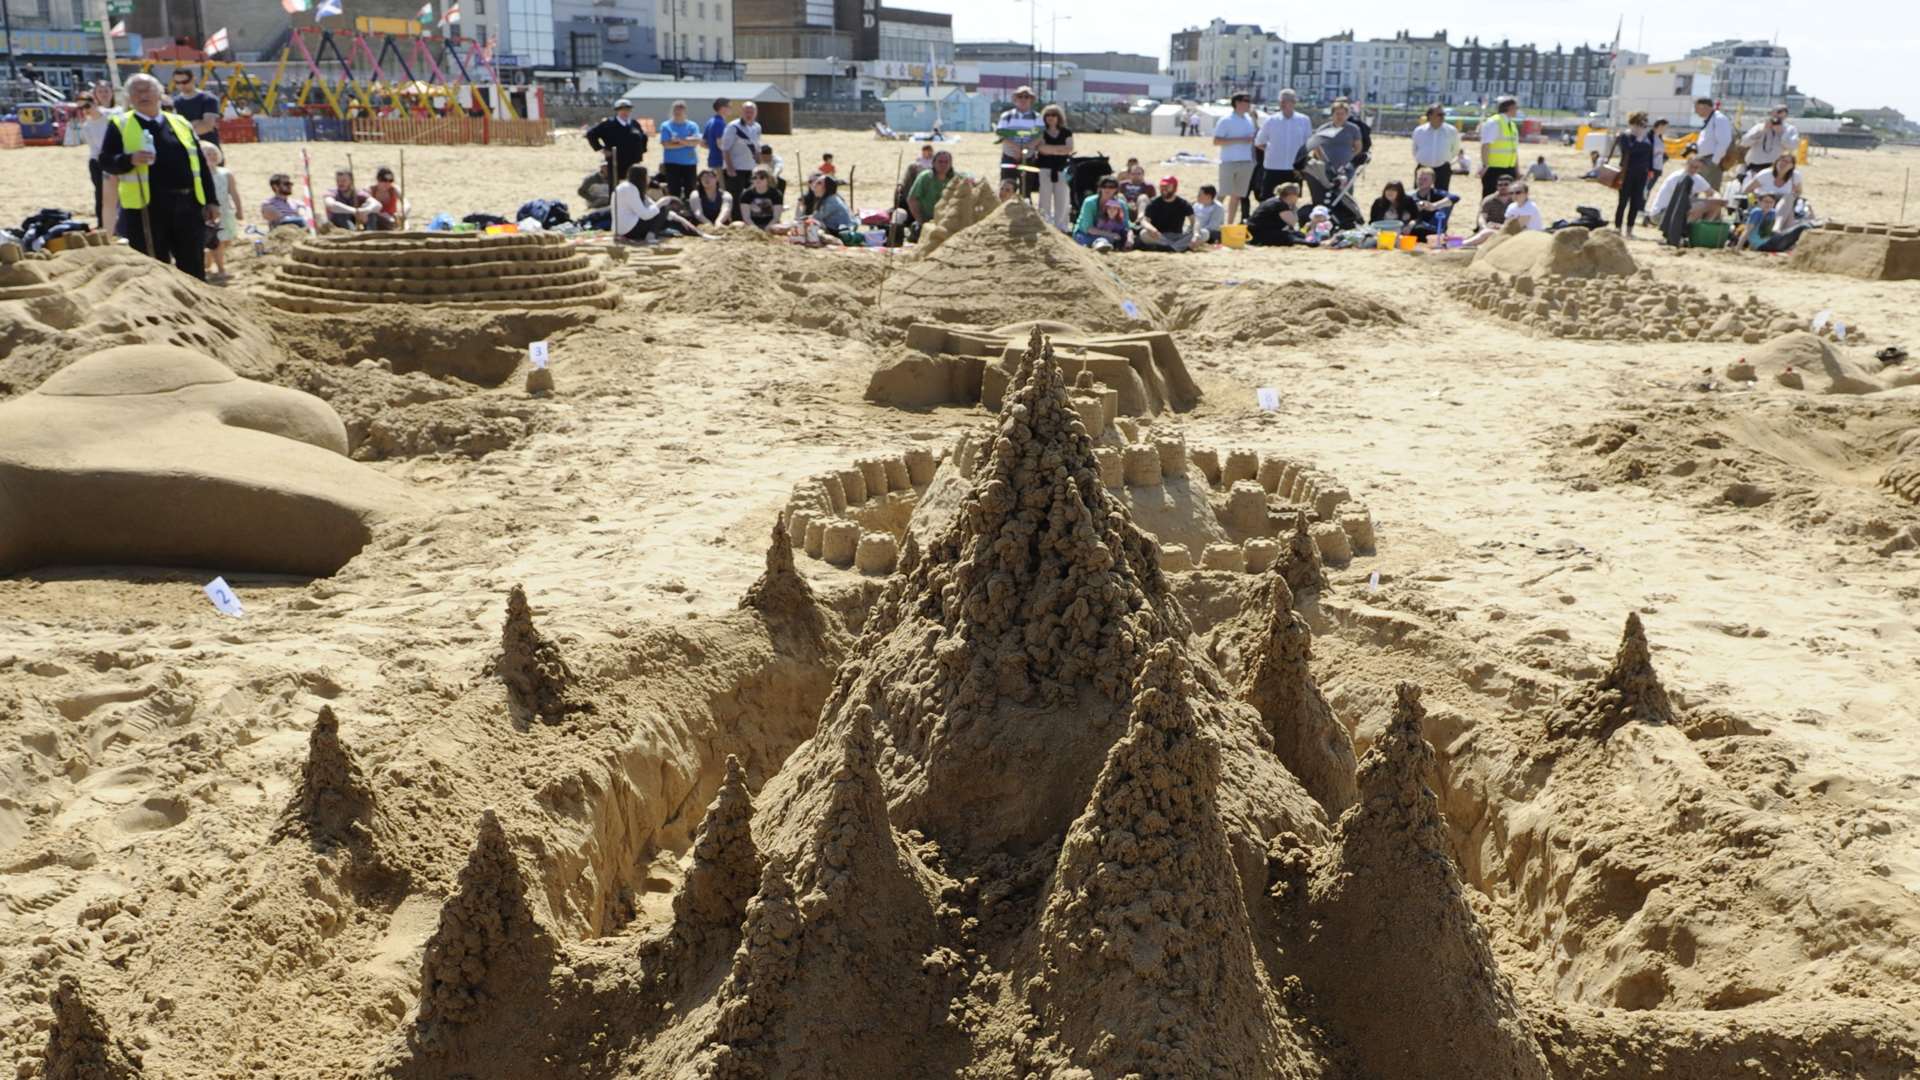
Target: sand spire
(1630, 692)
(1300, 566)
(1147, 964)
(1396, 960)
(781, 593)
(334, 804)
(537, 676)
(79, 1046)
(725, 868)
(1310, 741)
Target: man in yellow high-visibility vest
(1500, 145)
(163, 183)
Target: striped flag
(294, 7)
(326, 8)
(426, 13)
(217, 44)
(119, 28)
(451, 15)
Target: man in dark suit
(623, 135)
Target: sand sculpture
(1902, 477)
(1569, 253)
(538, 678)
(58, 309)
(1875, 251)
(342, 274)
(965, 280)
(1621, 308)
(160, 456)
(1237, 513)
(965, 202)
(1801, 360)
(959, 366)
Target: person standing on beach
(201, 108)
(1435, 144)
(1018, 129)
(740, 150)
(163, 186)
(1282, 141)
(622, 138)
(1500, 144)
(1635, 148)
(1716, 138)
(715, 129)
(1234, 135)
(1767, 140)
(680, 152)
(94, 130)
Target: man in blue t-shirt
(716, 127)
(680, 157)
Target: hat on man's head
(1170, 181)
(1025, 91)
(623, 103)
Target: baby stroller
(1083, 176)
(1336, 193)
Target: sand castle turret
(1396, 961)
(1630, 692)
(1310, 741)
(536, 674)
(782, 595)
(1300, 566)
(333, 806)
(724, 870)
(79, 1044)
(1146, 964)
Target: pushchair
(1083, 176)
(1336, 193)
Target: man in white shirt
(1282, 139)
(1768, 139)
(1699, 202)
(1435, 144)
(740, 149)
(1234, 135)
(1716, 138)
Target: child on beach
(226, 194)
(1110, 232)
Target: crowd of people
(1281, 176)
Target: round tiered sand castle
(1241, 511)
(343, 274)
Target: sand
(733, 807)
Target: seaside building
(1222, 58)
(1750, 72)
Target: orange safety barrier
(10, 136)
(537, 132)
(241, 130)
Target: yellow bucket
(1384, 240)
(1233, 236)
(1408, 242)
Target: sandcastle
(1571, 253)
(1875, 251)
(344, 273)
(1902, 477)
(960, 366)
(1629, 308)
(1237, 512)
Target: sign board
(91, 26)
(119, 8)
(68, 43)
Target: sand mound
(1799, 359)
(1284, 313)
(966, 201)
(967, 279)
(769, 283)
(161, 456)
(1629, 693)
(79, 1046)
(1902, 478)
(1874, 252)
(1621, 309)
(1569, 253)
(1399, 961)
(345, 272)
(483, 347)
(55, 311)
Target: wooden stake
(403, 186)
(1904, 185)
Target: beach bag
(548, 212)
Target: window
(719, 13)
(701, 54)
(701, 9)
(479, 7)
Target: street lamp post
(1053, 77)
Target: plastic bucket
(1233, 236)
(1709, 234)
(1385, 240)
(1408, 242)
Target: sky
(1862, 57)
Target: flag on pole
(426, 13)
(119, 28)
(326, 8)
(217, 44)
(294, 7)
(927, 83)
(451, 15)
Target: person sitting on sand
(1432, 205)
(830, 212)
(280, 210)
(1520, 207)
(638, 218)
(1782, 181)
(393, 205)
(1209, 215)
(1394, 206)
(927, 189)
(1683, 198)
(1277, 221)
(1540, 170)
(760, 204)
(349, 207)
(1493, 208)
(711, 204)
(1091, 210)
(1110, 231)
(1167, 222)
(1762, 231)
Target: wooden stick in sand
(403, 185)
(1904, 185)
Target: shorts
(1236, 177)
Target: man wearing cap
(1500, 144)
(1234, 134)
(622, 137)
(1166, 223)
(1019, 129)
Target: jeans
(1056, 200)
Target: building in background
(1223, 58)
(1070, 78)
(844, 50)
(1664, 91)
(53, 36)
(695, 38)
(1399, 71)
(1750, 72)
(1569, 80)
